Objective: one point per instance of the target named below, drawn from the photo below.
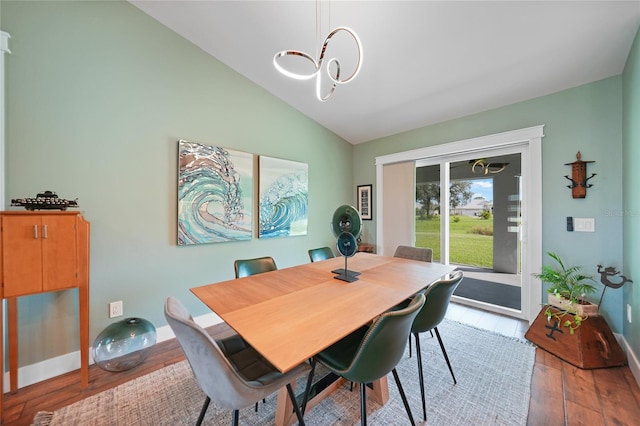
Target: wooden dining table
(289, 315)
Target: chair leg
(307, 389)
(421, 376)
(403, 396)
(296, 408)
(203, 411)
(264, 400)
(409, 346)
(363, 404)
(234, 420)
(446, 357)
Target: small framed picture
(364, 202)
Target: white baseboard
(632, 359)
(52, 367)
(62, 364)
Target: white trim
(445, 211)
(530, 139)
(52, 367)
(632, 359)
(4, 48)
(481, 143)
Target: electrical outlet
(116, 309)
(629, 313)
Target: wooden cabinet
(40, 252)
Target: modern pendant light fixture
(332, 65)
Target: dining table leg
(380, 391)
(284, 408)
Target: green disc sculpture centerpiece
(346, 225)
(124, 344)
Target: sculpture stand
(345, 274)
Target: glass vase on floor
(124, 344)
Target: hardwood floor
(560, 393)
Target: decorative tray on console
(46, 200)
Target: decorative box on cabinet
(40, 252)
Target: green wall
(97, 96)
(631, 194)
(586, 118)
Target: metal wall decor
(605, 278)
(579, 177)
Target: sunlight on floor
(501, 324)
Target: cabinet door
(22, 255)
(59, 252)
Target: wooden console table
(40, 252)
(365, 247)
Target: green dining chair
(322, 253)
(229, 371)
(246, 267)
(373, 351)
(438, 295)
(422, 254)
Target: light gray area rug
(493, 373)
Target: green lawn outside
(467, 247)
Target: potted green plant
(568, 287)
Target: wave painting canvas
(215, 194)
(284, 198)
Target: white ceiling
(424, 62)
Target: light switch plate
(584, 224)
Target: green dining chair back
(229, 371)
(373, 351)
(247, 267)
(438, 295)
(321, 253)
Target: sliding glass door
(515, 207)
(476, 223)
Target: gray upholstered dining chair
(230, 372)
(246, 267)
(415, 253)
(321, 253)
(373, 351)
(438, 296)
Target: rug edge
(523, 340)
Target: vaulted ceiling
(423, 61)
